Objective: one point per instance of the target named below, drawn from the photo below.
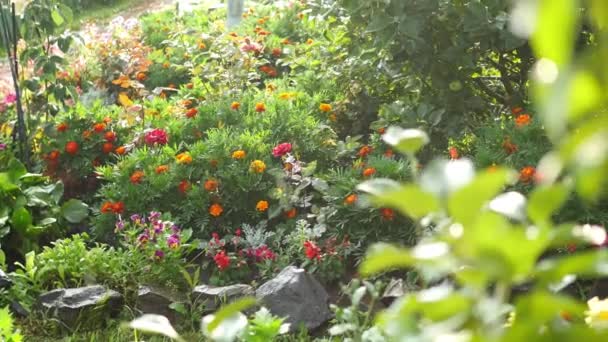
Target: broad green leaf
(586, 264)
(6, 184)
(599, 13)
(407, 141)
(410, 200)
(384, 257)
(16, 169)
(465, 203)
(74, 210)
(554, 33)
(543, 201)
(57, 18)
(584, 94)
(21, 219)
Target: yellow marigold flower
(309, 41)
(333, 117)
(325, 107)
(262, 206)
(597, 315)
(235, 105)
(257, 166)
(286, 96)
(239, 154)
(184, 158)
(271, 87)
(123, 81)
(216, 210)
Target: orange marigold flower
(257, 166)
(141, 76)
(216, 210)
(86, 134)
(53, 155)
(260, 107)
(291, 213)
(62, 127)
(368, 172)
(239, 154)
(211, 185)
(351, 199)
(187, 103)
(162, 169)
(389, 153)
(387, 214)
(454, 153)
(333, 117)
(184, 186)
(123, 81)
(107, 120)
(202, 46)
(309, 41)
(191, 112)
(120, 150)
(526, 174)
(508, 146)
(107, 207)
(364, 151)
(71, 147)
(110, 136)
(325, 107)
(381, 130)
(118, 207)
(235, 105)
(276, 52)
(522, 120)
(190, 85)
(166, 65)
(262, 206)
(184, 158)
(107, 147)
(516, 110)
(137, 177)
(99, 127)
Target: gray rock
(5, 281)
(297, 296)
(212, 297)
(395, 289)
(74, 306)
(18, 310)
(157, 301)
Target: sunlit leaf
(407, 141)
(383, 257)
(543, 201)
(553, 36)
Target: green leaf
(587, 264)
(407, 141)
(555, 28)
(383, 257)
(16, 169)
(230, 310)
(21, 219)
(74, 210)
(543, 201)
(57, 18)
(6, 184)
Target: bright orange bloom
(184, 158)
(110, 136)
(107, 207)
(71, 147)
(309, 41)
(141, 76)
(120, 150)
(202, 46)
(99, 127)
(381, 130)
(162, 169)
(211, 185)
(508, 146)
(53, 155)
(184, 186)
(107, 120)
(389, 153)
(276, 52)
(216, 210)
(325, 107)
(239, 154)
(257, 166)
(62, 127)
(260, 107)
(291, 213)
(187, 103)
(107, 147)
(516, 110)
(454, 153)
(137, 177)
(190, 85)
(522, 120)
(387, 214)
(526, 174)
(235, 105)
(123, 81)
(166, 65)
(118, 207)
(368, 172)
(351, 199)
(285, 41)
(364, 151)
(191, 112)
(262, 206)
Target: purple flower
(120, 225)
(136, 218)
(2, 147)
(158, 255)
(154, 215)
(173, 241)
(175, 229)
(143, 238)
(158, 227)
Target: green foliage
(7, 331)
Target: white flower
(597, 315)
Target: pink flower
(312, 251)
(281, 149)
(250, 46)
(156, 137)
(221, 260)
(10, 98)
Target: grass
(102, 13)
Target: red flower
(221, 260)
(184, 186)
(118, 207)
(312, 251)
(191, 113)
(508, 146)
(110, 136)
(156, 137)
(71, 147)
(364, 151)
(107, 147)
(281, 149)
(387, 214)
(527, 174)
(454, 153)
(99, 127)
(62, 127)
(137, 176)
(53, 155)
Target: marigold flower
(184, 158)
(86, 134)
(454, 153)
(235, 105)
(216, 210)
(325, 107)
(381, 130)
(107, 147)
(107, 207)
(187, 103)
(387, 214)
(257, 166)
(365, 151)
(309, 41)
(99, 127)
(276, 52)
(123, 81)
(508, 146)
(312, 251)
(368, 172)
(389, 153)
(137, 176)
(526, 174)
(62, 127)
(333, 117)
(184, 186)
(110, 136)
(261, 206)
(162, 169)
(522, 120)
(285, 41)
(351, 199)
(202, 46)
(291, 213)
(222, 260)
(516, 110)
(120, 150)
(156, 137)
(281, 150)
(260, 107)
(118, 207)
(238, 154)
(288, 167)
(211, 185)
(190, 85)
(71, 147)
(190, 113)
(166, 65)
(53, 155)
(141, 76)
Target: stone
(394, 290)
(76, 305)
(298, 297)
(5, 281)
(18, 310)
(212, 297)
(157, 301)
